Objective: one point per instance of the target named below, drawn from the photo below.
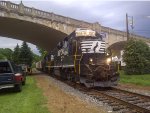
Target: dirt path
(61, 102)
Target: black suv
(11, 76)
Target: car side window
(5, 68)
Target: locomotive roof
(79, 29)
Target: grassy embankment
(143, 80)
(30, 100)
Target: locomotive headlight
(90, 61)
(108, 60)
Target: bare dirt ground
(132, 86)
(60, 102)
(144, 90)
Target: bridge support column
(8, 5)
(21, 8)
(33, 12)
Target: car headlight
(108, 60)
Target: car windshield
(19, 69)
(5, 68)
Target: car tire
(18, 87)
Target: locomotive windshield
(87, 35)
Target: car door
(6, 73)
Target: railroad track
(121, 101)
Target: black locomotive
(82, 57)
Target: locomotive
(82, 57)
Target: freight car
(82, 57)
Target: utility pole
(129, 20)
(127, 28)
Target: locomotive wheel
(63, 74)
(77, 79)
(69, 77)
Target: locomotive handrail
(75, 57)
(80, 63)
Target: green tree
(25, 54)
(42, 52)
(137, 57)
(2, 57)
(16, 54)
(36, 57)
(6, 53)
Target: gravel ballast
(80, 95)
(62, 99)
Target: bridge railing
(3, 4)
(13, 7)
(24, 10)
(9, 6)
(112, 31)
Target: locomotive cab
(94, 66)
(82, 57)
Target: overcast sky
(107, 13)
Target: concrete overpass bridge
(46, 29)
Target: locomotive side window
(71, 39)
(65, 46)
(59, 45)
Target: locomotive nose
(103, 72)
